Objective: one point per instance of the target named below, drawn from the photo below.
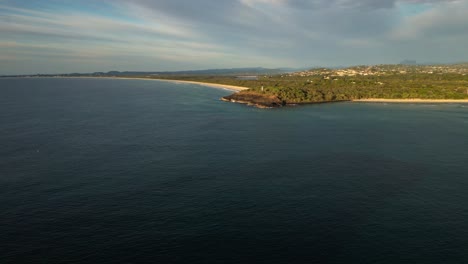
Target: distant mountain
(408, 62)
(233, 71)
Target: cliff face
(257, 99)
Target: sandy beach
(212, 85)
(379, 100)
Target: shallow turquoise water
(143, 171)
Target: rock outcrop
(257, 99)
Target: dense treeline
(317, 88)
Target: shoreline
(212, 85)
(381, 100)
(232, 88)
(241, 88)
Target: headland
(373, 84)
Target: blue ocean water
(139, 171)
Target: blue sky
(60, 36)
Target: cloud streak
(51, 36)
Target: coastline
(241, 88)
(212, 85)
(381, 100)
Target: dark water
(135, 171)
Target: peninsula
(379, 83)
(267, 88)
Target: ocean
(138, 171)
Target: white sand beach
(379, 100)
(212, 85)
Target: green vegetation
(383, 81)
(270, 89)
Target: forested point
(360, 82)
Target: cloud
(183, 34)
(338, 4)
(445, 21)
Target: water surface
(143, 171)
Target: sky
(63, 36)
